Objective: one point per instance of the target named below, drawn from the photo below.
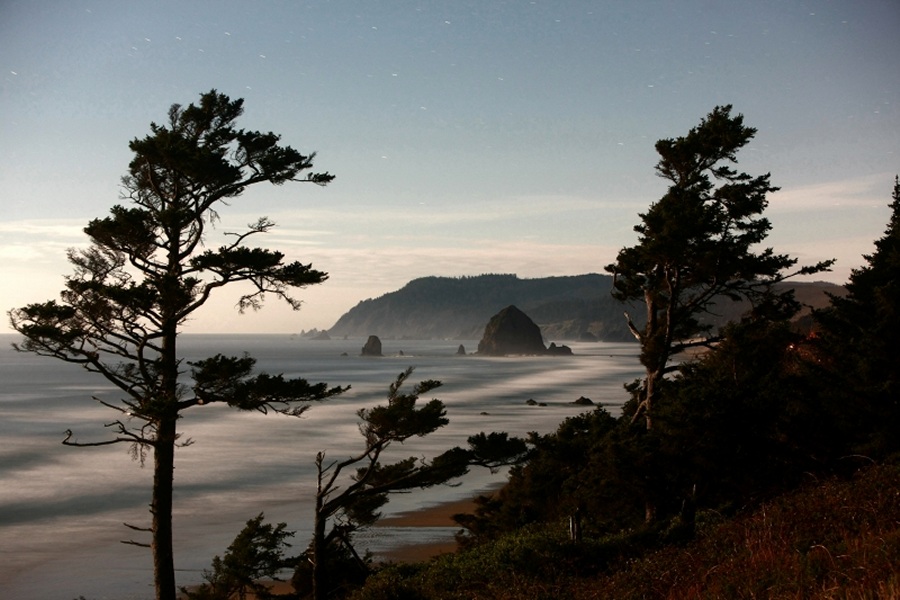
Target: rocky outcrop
(372, 347)
(461, 351)
(511, 331)
(315, 334)
(561, 350)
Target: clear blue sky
(467, 137)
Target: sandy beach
(439, 515)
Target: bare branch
(126, 436)
(632, 327)
(67, 442)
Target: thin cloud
(867, 191)
(53, 228)
(393, 266)
(446, 212)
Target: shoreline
(431, 516)
(436, 515)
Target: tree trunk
(161, 508)
(649, 398)
(318, 541)
(167, 420)
(318, 578)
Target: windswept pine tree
(346, 504)
(147, 270)
(699, 245)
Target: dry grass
(834, 540)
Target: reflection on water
(62, 509)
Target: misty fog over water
(62, 508)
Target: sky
(467, 137)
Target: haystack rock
(511, 331)
(372, 347)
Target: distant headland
(572, 308)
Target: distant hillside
(565, 308)
(459, 308)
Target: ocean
(62, 509)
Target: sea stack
(372, 347)
(511, 332)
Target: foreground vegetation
(832, 539)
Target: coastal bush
(256, 554)
(585, 468)
(538, 561)
(744, 422)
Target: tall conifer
(147, 271)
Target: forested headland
(577, 307)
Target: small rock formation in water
(315, 334)
(372, 347)
(561, 350)
(461, 351)
(511, 331)
(582, 401)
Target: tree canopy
(857, 340)
(700, 245)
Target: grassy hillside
(830, 539)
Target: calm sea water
(62, 509)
